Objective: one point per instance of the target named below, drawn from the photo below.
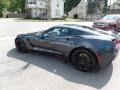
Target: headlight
(102, 24)
(106, 24)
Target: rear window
(90, 30)
(72, 32)
(76, 32)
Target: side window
(56, 32)
(64, 32)
(76, 32)
(52, 33)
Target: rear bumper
(106, 59)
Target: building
(45, 9)
(87, 9)
(80, 10)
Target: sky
(112, 1)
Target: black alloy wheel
(20, 45)
(83, 60)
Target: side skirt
(46, 50)
(65, 58)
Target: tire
(20, 45)
(83, 60)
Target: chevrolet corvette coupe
(85, 47)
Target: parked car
(108, 22)
(85, 47)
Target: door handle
(67, 39)
(52, 42)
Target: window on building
(46, 4)
(41, 4)
(57, 5)
(32, 2)
(57, 12)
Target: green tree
(97, 5)
(94, 6)
(69, 4)
(105, 8)
(17, 5)
(4, 4)
(90, 7)
(118, 2)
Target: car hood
(99, 37)
(28, 34)
(32, 34)
(105, 21)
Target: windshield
(111, 17)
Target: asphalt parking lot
(44, 71)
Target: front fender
(25, 40)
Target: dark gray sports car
(86, 47)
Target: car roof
(75, 26)
(80, 28)
(72, 26)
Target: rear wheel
(20, 45)
(83, 60)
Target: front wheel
(20, 45)
(83, 60)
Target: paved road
(43, 71)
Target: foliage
(17, 5)
(93, 6)
(105, 8)
(1, 14)
(12, 6)
(90, 7)
(69, 4)
(118, 2)
(97, 5)
(4, 4)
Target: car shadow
(53, 64)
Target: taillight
(117, 42)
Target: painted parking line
(7, 38)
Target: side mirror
(40, 35)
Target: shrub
(1, 14)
